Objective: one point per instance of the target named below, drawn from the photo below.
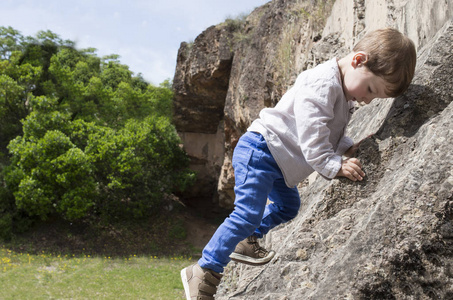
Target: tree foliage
(81, 135)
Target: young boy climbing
(303, 133)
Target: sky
(146, 34)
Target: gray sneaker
(250, 252)
(200, 283)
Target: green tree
(10, 41)
(81, 135)
(16, 83)
(74, 167)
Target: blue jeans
(257, 178)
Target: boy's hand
(351, 168)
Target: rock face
(230, 73)
(388, 237)
(200, 84)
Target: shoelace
(258, 249)
(208, 287)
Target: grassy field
(46, 276)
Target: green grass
(47, 276)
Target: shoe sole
(252, 261)
(185, 283)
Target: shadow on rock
(413, 109)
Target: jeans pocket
(241, 161)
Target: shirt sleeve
(344, 144)
(314, 108)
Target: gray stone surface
(388, 237)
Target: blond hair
(392, 56)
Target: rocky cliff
(388, 237)
(232, 71)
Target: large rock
(200, 85)
(254, 62)
(388, 237)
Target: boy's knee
(249, 222)
(255, 221)
(291, 215)
(291, 212)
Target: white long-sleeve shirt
(305, 130)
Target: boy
(303, 133)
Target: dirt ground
(201, 220)
(161, 235)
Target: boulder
(390, 236)
(387, 237)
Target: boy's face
(361, 85)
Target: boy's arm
(345, 145)
(313, 110)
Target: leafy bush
(75, 167)
(80, 135)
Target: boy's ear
(359, 59)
